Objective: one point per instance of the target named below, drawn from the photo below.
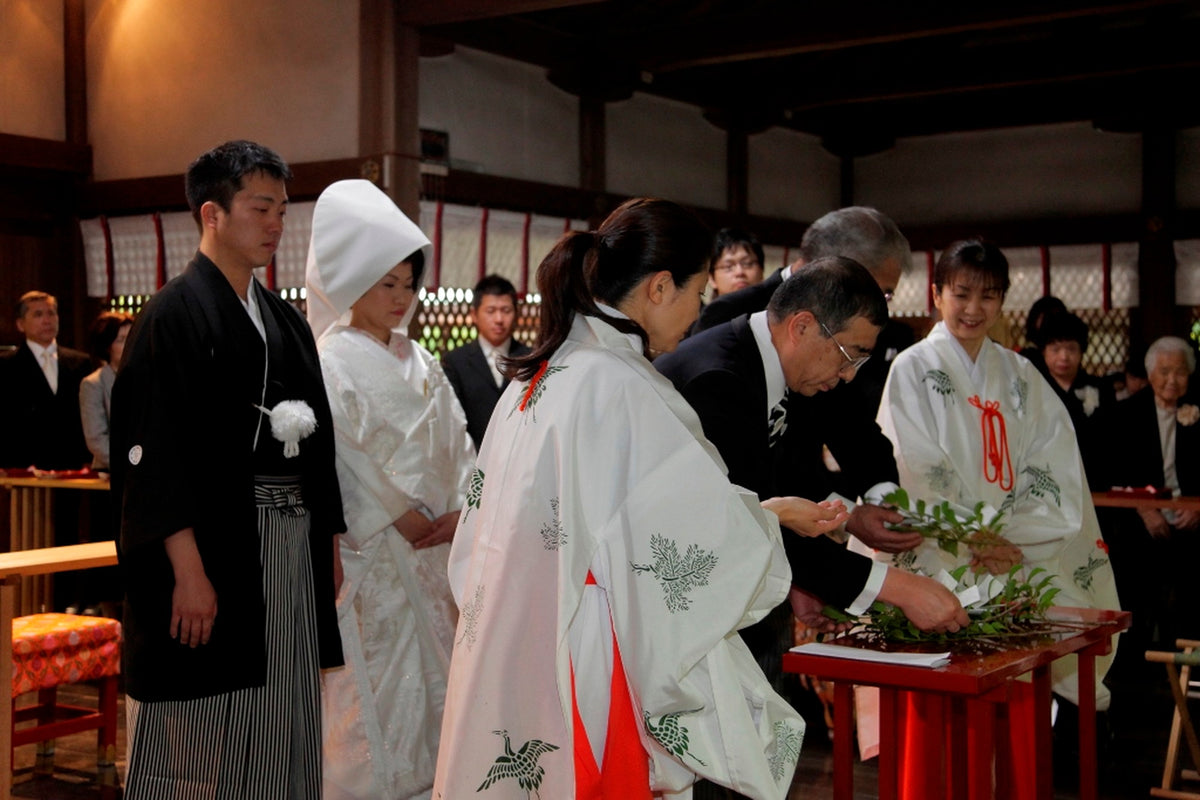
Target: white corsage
(291, 421)
(1187, 414)
(1090, 395)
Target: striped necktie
(777, 421)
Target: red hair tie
(997, 467)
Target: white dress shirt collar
(773, 370)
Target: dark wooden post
(1157, 314)
(593, 144)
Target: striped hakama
(259, 743)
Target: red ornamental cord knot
(533, 384)
(997, 467)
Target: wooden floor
(1140, 715)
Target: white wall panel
(665, 149)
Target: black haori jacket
(184, 455)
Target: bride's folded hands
(806, 517)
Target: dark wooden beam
(441, 12)
(165, 192)
(833, 27)
(75, 71)
(372, 38)
(404, 167)
(593, 145)
(27, 152)
(1157, 314)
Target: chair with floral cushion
(1179, 666)
(50, 650)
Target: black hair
(493, 285)
(835, 290)
(103, 332)
(217, 175)
(31, 297)
(417, 261)
(1063, 327)
(983, 259)
(735, 237)
(641, 237)
(1042, 307)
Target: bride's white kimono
(402, 444)
(1037, 479)
(598, 465)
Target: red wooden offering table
(970, 687)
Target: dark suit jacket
(720, 373)
(42, 428)
(469, 374)
(1133, 453)
(744, 301)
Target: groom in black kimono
(226, 540)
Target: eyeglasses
(729, 266)
(852, 364)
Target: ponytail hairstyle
(641, 237)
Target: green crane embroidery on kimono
(1084, 574)
(671, 734)
(678, 575)
(1043, 484)
(941, 383)
(522, 765)
(788, 741)
(474, 491)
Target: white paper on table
(859, 654)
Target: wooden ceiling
(857, 74)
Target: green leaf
(837, 615)
(958, 572)
(921, 507)
(948, 544)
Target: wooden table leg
(981, 747)
(1087, 725)
(1042, 735)
(889, 739)
(8, 599)
(843, 741)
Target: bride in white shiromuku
(404, 461)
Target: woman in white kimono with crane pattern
(604, 563)
(972, 421)
(404, 460)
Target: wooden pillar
(846, 181)
(737, 171)
(593, 144)
(1157, 314)
(404, 179)
(373, 25)
(75, 71)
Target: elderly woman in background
(1157, 444)
(107, 341)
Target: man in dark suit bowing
(41, 393)
(474, 369)
(741, 377)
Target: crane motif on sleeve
(522, 765)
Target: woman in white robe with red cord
(972, 421)
(604, 563)
(404, 460)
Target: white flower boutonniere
(1187, 414)
(1090, 396)
(291, 421)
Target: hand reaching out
(806, 517)
(869, 523)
